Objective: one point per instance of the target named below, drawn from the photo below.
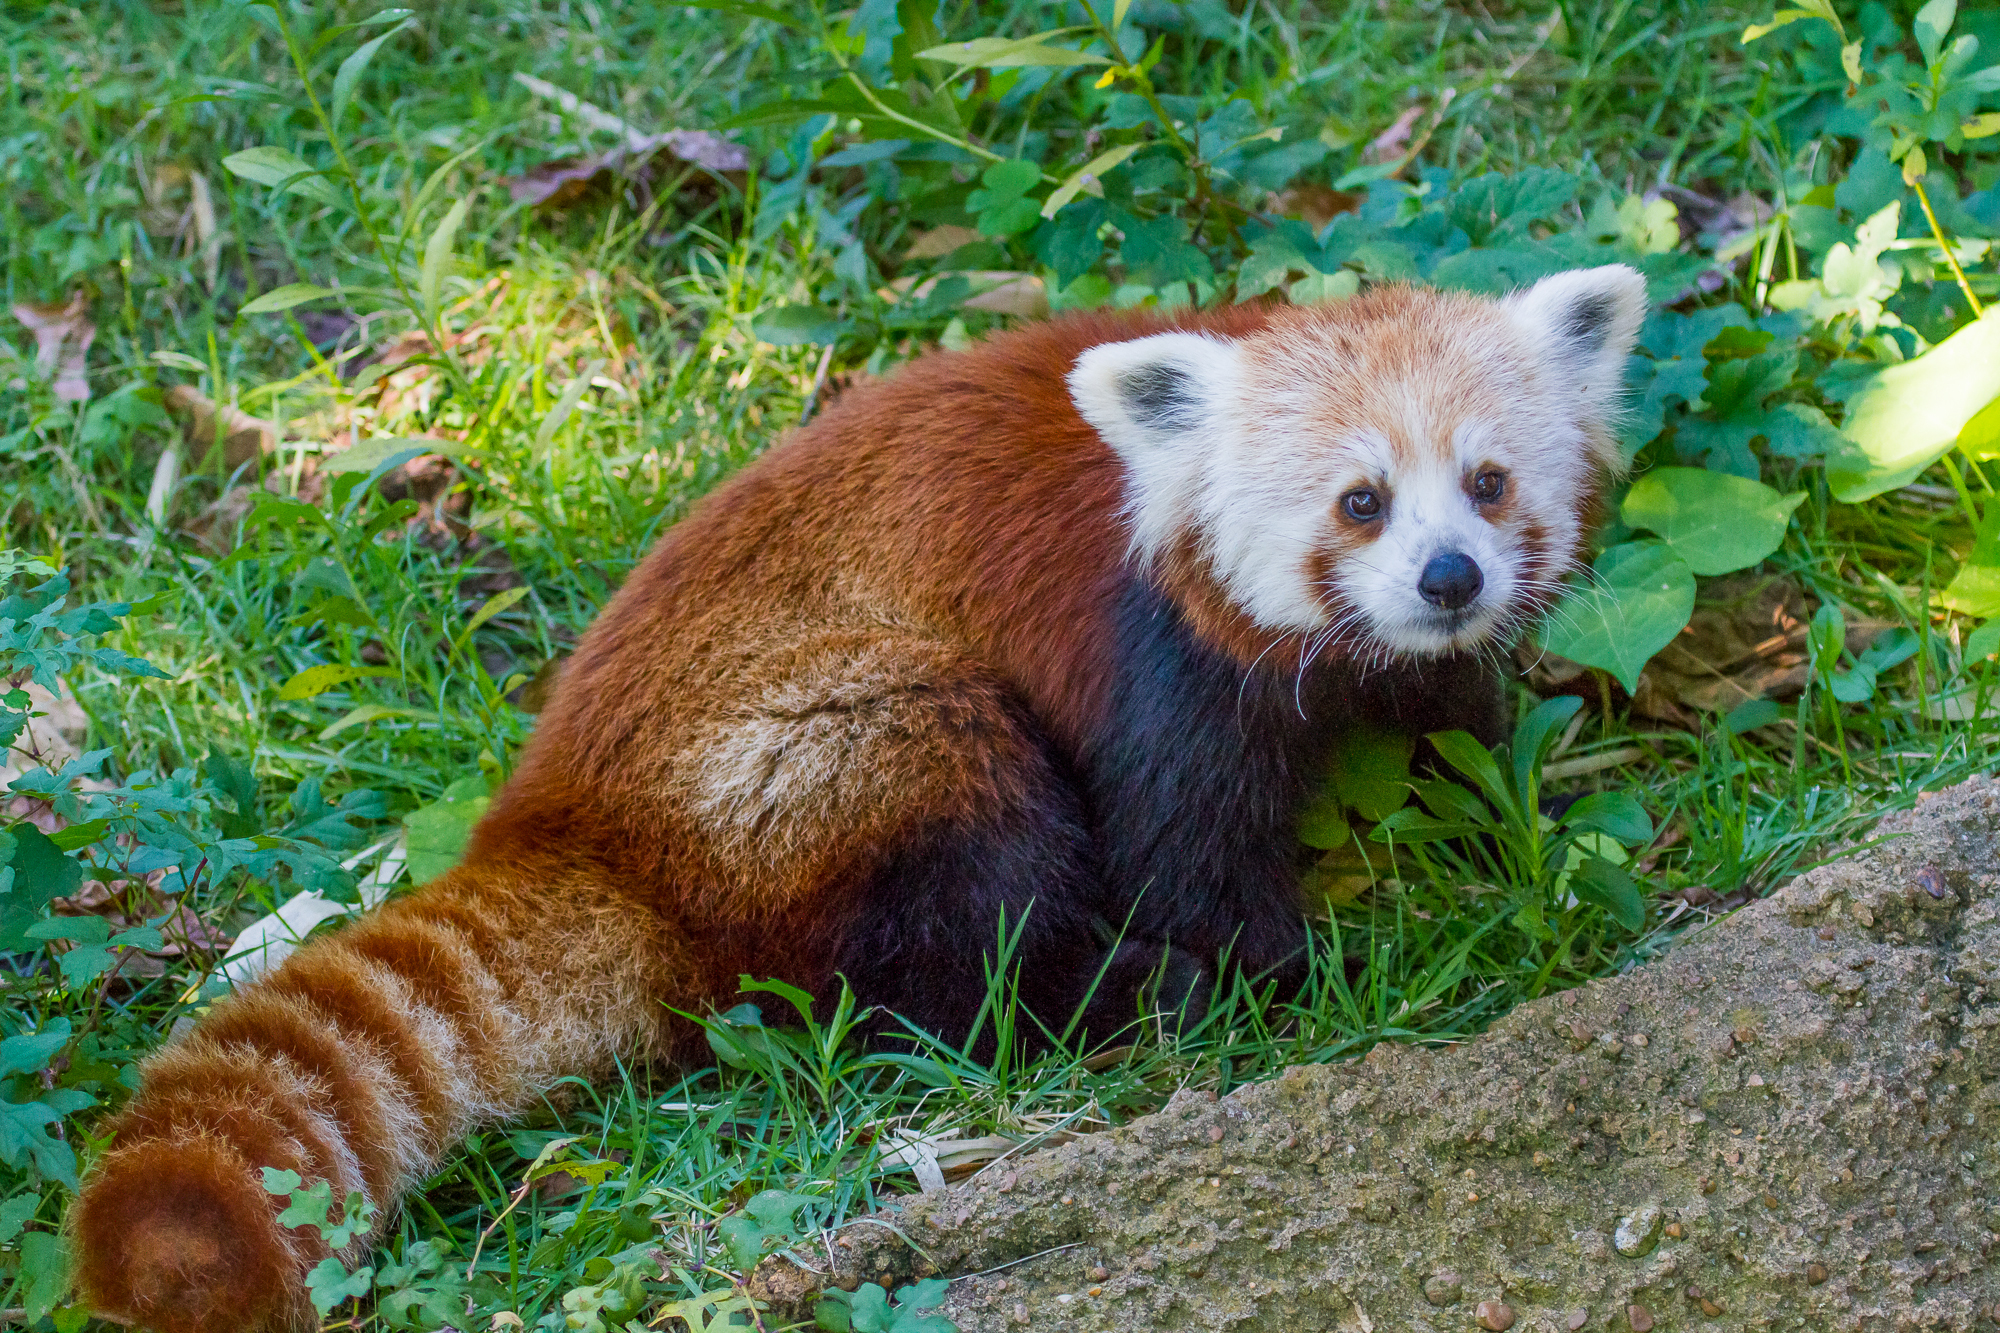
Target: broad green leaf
(1533, 735)
(267, 165)
(792, 325)
(1980, 440)
(280, 1182)
(1323, 825)
(349, 74)
(329, 1284)
(371, 454)
(1640, 597)
(1973, 591)
(1715, 522)
(1012, 52)
(435, 836)
(1411, 825)
(1463, 752)
(1911, 414)
(330, 675)
(1983, 642)
(283, 298)
(1602, 884)
(1932, 24)
(437, 256)
(45, 1268)
(1612, 812)
(1371, 773)
(1087, 176)
(31, 1052)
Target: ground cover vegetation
(356, 354)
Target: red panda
(1060, 627)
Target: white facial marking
(1252, 447)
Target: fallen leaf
(1745, 640)
(1312, 203)
(997, 291)
(243, 436)
(553, 184)
(940, 241)
(63, 334)
(1391, 143)
(559, 182)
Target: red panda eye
(1361, 505)
(1489, 486)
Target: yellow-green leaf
(493, 606)
(371, 454)
(1980, 440)
(283, 298)
(1981, 126)
(331, 675)
(1910, 414)
(1012, 52)
(1086, 176)
(437, 254)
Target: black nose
(1451, 581)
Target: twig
(1012, 1263)
(819, 383)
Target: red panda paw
(179, 1235)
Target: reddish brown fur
(694, 805)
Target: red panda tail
(358, 1062)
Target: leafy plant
(867, 1309)
(1497, 834)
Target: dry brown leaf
(1746, 640)
(1391, 143)
(1313, 203)
(554, 184)
(243, 436)
(997, 291)
(940, 241)
(63, 334)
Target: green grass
(114, 124)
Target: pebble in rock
(1443, 1288)
(1638, 1233)
(1578, 1318)
(1495, 1315)
(1640, 1318)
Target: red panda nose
(1451, 580)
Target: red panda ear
(1583, 324)
(1150, 393)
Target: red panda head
(1406, 473)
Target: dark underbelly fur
(1169, 844)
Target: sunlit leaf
(1640, 598)
(1087, 176)
(1012, 52)
(331, 675)
(1909, 415)
(284, 298)
(1716, 522)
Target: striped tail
(359, 1061)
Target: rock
(1639, 1233)
(1443, 1288)
(1495, 1315)
(1335, 1191)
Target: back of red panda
(1060, 627)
